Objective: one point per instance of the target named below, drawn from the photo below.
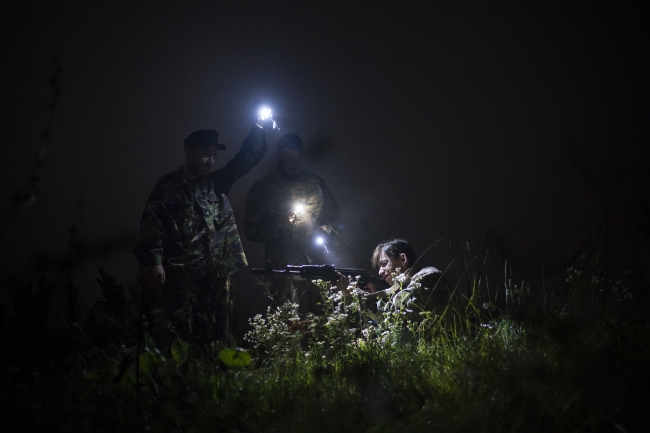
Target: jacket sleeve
(251, 152)
(149, 246)
(330, 212)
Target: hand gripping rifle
(323, 272)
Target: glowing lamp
(320, 240)
(299, 208)
(265, 112)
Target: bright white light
(299, 208)
(320, 240)
(265, 112)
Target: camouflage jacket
(276, 194)
(192, 222)
(424, 291)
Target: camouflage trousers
(298, 291)
(198, 308)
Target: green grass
(580, 362)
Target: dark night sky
(424, 121)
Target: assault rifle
(325, 273)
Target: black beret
(291, 141)
(203, 138)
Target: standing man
(188, 243)
(288, 210)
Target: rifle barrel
(323, 272)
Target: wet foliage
(579, 361)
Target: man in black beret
(288, 210)
(188, 243)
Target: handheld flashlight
(265, 113)
(299, 208)
(321, 241)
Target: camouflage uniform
(189, 228)
(424, 291)
(275, 195)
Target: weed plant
(577, 362)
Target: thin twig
(32, 189)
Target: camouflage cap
(203, 138)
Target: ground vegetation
(578, 361)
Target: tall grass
(580, 362)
